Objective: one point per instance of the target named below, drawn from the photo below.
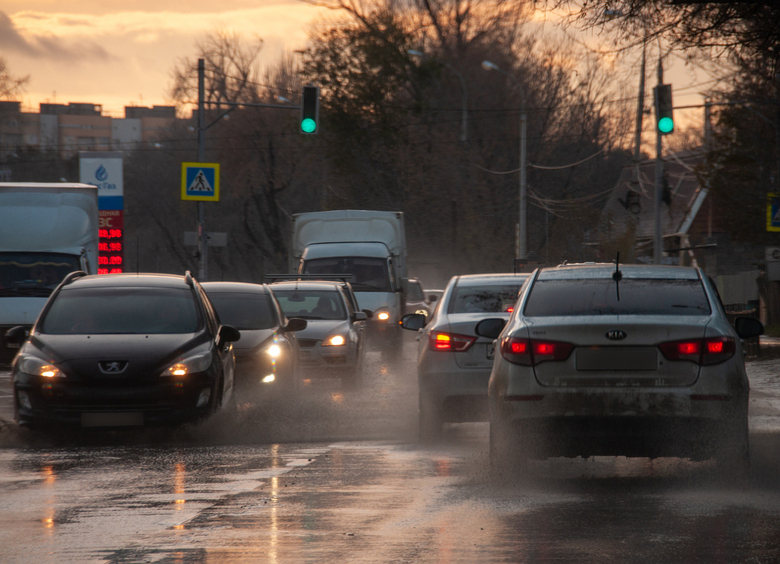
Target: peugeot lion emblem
(112, 366)
(616, 335)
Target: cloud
(48, 45)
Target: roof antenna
(617, 276)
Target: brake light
(530, 352)
(439, 341)
(703, 352)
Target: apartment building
(70, 128)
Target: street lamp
(521, 252)
(465, 112)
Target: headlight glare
(190, 365)
(38, 367)
(383, 315)
(334, 341)
(274, 351)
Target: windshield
(244, 311)
(414, 292)
(121, 311)
(311, 304)
(370, 274)
(488, 298)
(600, 297)
(34, 274)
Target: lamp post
(521, 251)
(464, 113)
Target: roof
(490, 279)
(631, 204)
(604, 271)
(246, 287)
(306, 285)
(144, 280)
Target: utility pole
(201, 231)
(659, 175)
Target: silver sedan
(453, 364)
(630, 360)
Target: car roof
(307, 285)
(228, 287)
(490, 279)
(606, 270)
(148, 280)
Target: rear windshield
(600, 297)
(326, 304)
(488, 298)
(247, 312)
(121, 311)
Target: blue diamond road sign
(200, 182)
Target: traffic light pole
(659, 174)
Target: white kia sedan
(453, 364)
(630, 360)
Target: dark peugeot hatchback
(123, 350)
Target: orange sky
(120, 52)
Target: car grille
(307, 343)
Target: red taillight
(712, 350)
(439, 341)
(510, 309)
(530, 352)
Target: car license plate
(127, 419)
(12, 345)
(491, 350)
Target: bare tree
(231, 70)
(10, 86)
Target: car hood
(374, 300)
(321, 328)
(251, 339)
(80, 354)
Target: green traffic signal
(663, 108)
(310, 109)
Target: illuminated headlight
(334, 341)
(274, 351)
(191, 365)
(383, 315)
(268, 379)
(38, 367)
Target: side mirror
(747, 327)
(413, 321)
(432, 297)
(368, 312)
(490, 328)
(359, 316)
(295, 324)
(16, 335)
(229, 334)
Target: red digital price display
(111, 245)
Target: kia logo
(112, 366)
(616, 335)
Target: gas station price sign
(111, 241)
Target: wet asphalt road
(337, 476)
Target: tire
(431, 419)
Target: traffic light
(664, 119)
(310, 109)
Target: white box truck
(46, 231)
(368, 246)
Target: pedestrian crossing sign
(773, 211)
(200, 181)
